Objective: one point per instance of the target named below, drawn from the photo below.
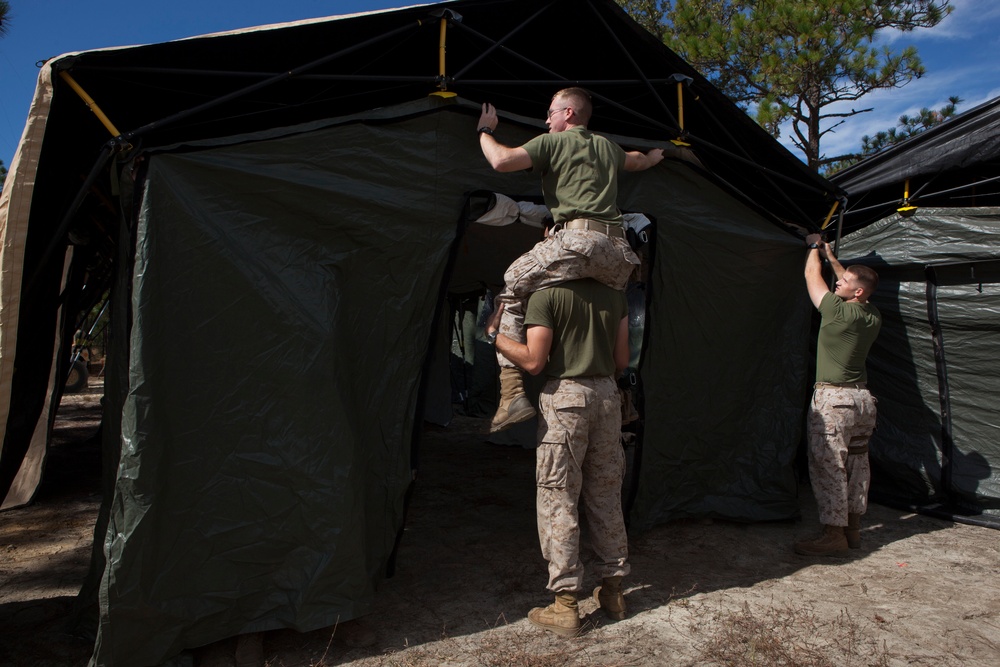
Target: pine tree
(790, 60)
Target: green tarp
(933, 368)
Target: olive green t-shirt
(846, 334)
(579, 172)
(584, 316)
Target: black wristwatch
(491, 338)
(813, 246)
(485, 129)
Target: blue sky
(959, 54)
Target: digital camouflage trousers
(580, 461)
(840, 423)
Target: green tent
(280, 229)
(925, 215)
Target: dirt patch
(921, 591)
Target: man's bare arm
(815, 282)
(530, 356)
(826, 252)
(636, 161)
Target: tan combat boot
(514, 405)
(831, 542)
(853, 530)
(609, 596)
(560, 617)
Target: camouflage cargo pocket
(828, 410)
(864, 415)
(552, 465)
(560, 418)
(581, 244)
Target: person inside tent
(579, 172)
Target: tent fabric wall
(724, 370)
(263, 270)
(933, 368)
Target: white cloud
(958, 57)
(970, 18)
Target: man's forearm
(636, 161)
(519, 354)
(815, 284)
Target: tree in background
(647, 13)
(790, 60)
(3, 174)
(907, 127)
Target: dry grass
(782, 636)
(772, 635)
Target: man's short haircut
(866, 276)
(579, 100)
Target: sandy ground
(921, 591)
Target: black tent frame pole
(764, 171)
(840, 226)
(944, 396)
(635, 66)
(67, 219)
(498, 44)
(395, 78)
(251, 75)
(559, 80)
(893, 202)
(157, 124)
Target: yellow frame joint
(829, 216)
(91, 104)
(680, 116)
(442, 70)
(906, 210)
